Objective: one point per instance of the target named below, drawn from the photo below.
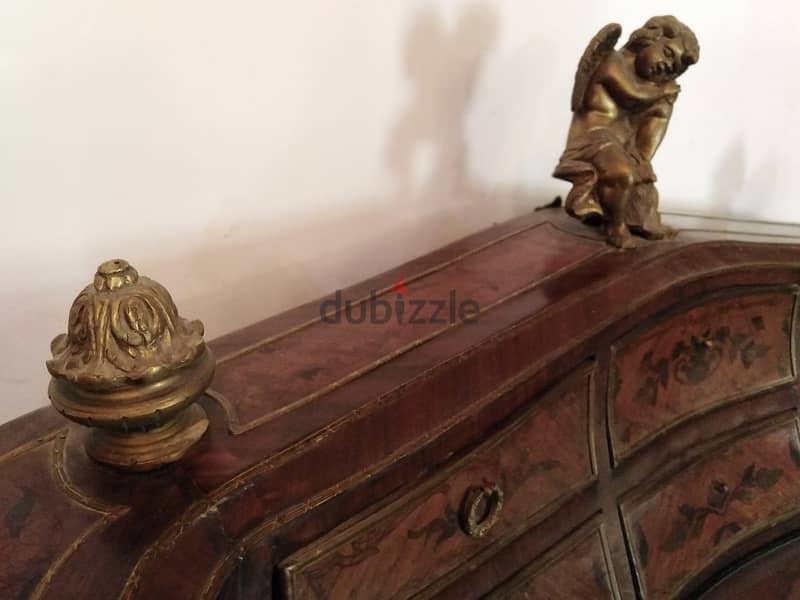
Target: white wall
(252, 155)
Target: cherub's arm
(653, 127)
(625, 88)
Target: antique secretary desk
(610, 424)
(589, 420)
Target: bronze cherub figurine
(621, 103)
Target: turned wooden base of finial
(147, 450)
(141, 426)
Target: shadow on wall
(428, 155)
(728, 178)
(434, 199)
(734, 189)
(443, 68)
(251, 270)
(427, 149)
(260, 268)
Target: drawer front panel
(772, 575)
(578, 568)
(716, 502)
(713, 353)
(494, 491)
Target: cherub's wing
(601, 45)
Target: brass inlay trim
(237, 428)
(732, 232)
(108, 513)
(59, 467)
(47, 579)
(383, 291)
(31, 445)
(678, 213)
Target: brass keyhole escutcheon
(480, 509)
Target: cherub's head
(664, 49)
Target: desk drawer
(724, 349)
(579, 567)
(693, 517)
(493, 493)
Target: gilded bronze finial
(131, 368)
(622, 103)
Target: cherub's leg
(613, 189)
(614, 198)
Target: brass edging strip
(236, 428)
(383, 291)
(108, 514)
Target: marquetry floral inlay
(694, 360)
